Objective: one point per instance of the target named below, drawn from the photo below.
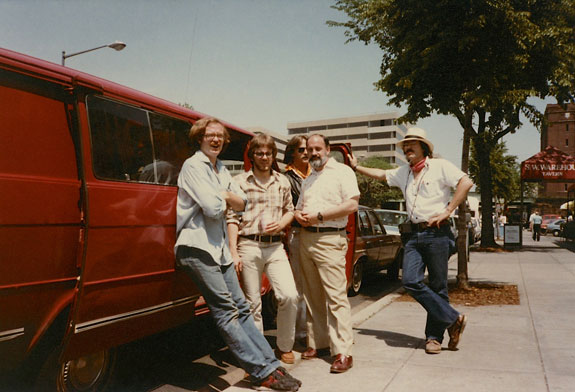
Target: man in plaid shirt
(256, 240)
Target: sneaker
(285, 356)
(284, 371)
(277, 381)
(432, 346)
(455, 331)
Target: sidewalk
(526, 347)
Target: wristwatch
(319, 217)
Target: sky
(253, 63)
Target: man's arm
(461, 191)
(233, 230)
(344, 209)
(378, 174)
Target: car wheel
(93, 372)
(356, 278)
(556, 233)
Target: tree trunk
(483, 153)
(462, 232)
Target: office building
(369, 135)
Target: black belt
(323, 229)
(422, 226)
(263, 238)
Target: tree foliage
(478, 60)
(374, 192)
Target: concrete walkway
(526, 347)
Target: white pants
(271, 259)
(325, 289)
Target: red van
(88, 172)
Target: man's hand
(237, 262)
(352, 161)
(272, 228)
(437, 219)
(301, 218)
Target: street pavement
(526, 347)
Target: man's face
(317, 152)
(300, 157)
(213, 140)
(413, 151)
(263, 159)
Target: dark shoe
(341, 364)
(277, 381)
(312, 353)
(285, 356)
(455, 331)
(283, 371)
(432, 346)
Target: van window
(135, 145)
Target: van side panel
(39, 209)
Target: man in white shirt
(426, 184)
(328, 195)
(535, 221)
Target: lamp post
(117, 45)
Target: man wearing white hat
(426, 184)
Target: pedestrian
(256, 241)
(502, 223)
(535, 221)
(328, 195)
(426, 184)
(205, 192)
(297, 169)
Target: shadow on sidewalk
(569, 245)
(393, 339)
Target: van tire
(356, 279)
(93, 372)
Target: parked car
(546, 219)
(374, 249)
(391, 219)
(555, 227)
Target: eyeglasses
(260, 154)
(212, 136)
(301, 150)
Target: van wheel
(92, 373)
(356, 279)
(556, 233)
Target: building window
(297, 130)
(380, 135)
(358, 136)
(357, 124)
(318, 128)
(360, 148)
(566, 142)
(381, 147)
(336, 126)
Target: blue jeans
(429, 249)
(221, 289)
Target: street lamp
(114, 45)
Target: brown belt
(263, 238)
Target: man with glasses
(256, 240)
(297, 170)
(205, 191)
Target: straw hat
(416, 134)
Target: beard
(318, 162)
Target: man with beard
(328, 195)
(259, 248)
(426, 184)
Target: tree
(374, 192)
(478, 60)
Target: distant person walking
(426, 184)
(535, 221)
(205, 192)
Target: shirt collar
(204, 158)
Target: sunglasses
(301, 150)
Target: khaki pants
(328, 311)
(271, 259)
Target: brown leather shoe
(285, 356)
(341, 364)
(455, 331)
(311, 353)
